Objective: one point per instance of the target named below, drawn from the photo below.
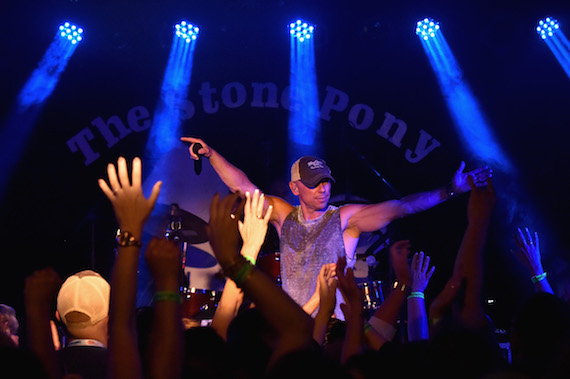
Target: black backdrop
(52, 211)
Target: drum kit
(199, 304)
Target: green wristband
(538, 278)
(251, 259)
(242, 274)
(416, 294)
(167, 296)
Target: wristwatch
(125, 238)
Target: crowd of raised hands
(259, 331)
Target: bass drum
(199, 304)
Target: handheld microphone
(198, 162)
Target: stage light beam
(464, 109)
(550, 32)
(170, 110)
(43, 80)
(304, 115)
(19, 124)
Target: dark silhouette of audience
(258, 331)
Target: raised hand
(528, 251)
(399, 252)
(349, 290)
(253, 228)
(326, 286)
(481, 202)
(164, 262)
(223, 230)
(460, 181)
(131, 207)
(421, 272)
(40, 289)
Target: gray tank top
(306, 245)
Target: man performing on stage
(315, 233)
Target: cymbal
(183, 225)
(198, 258)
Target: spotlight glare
(301, 30)
(427, 28)
(547, 27)
(71, 33)
(187, 31)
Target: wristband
(239, 271)
(538, 278)
(242, 274)
(416, 295)
(167, 296)
(250, 259)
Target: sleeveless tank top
(306, 245)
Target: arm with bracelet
(252, 229)
(166, 343)
(528, 253)
(417, 316)
(292, 325)
(384, 319)
(132, 209)
(468, 267)
(361, 218)
(353, 343)
(326, 289)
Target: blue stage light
(301, 30)
(72, 33)
(427, 28)
(468, 118)
(547, 27)
(186, 31)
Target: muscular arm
(359, 218)
(233, 177)
(238, 182)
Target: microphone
(197, 163)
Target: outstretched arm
(132, 210)
(358, 218)
(528, 253)
(417, 317)
(384, 319)
(469, 260)
(40, 293)
(233, 177)
(326, 286)
(237, 181)
(293, 326)
(252, 229)
(352, 308)
(166, 344)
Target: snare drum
(372, 294)
(199, 303)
